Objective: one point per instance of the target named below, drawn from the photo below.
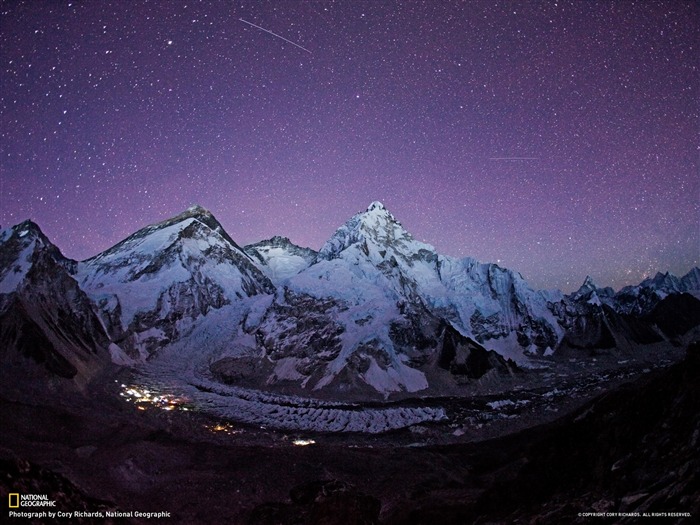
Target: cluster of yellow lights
(223, 428)
(303, 442)
(143, 398)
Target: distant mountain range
(373, 312)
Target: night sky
(558, 139)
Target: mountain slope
(44, 315)
(152, 286)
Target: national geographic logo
(30, 500)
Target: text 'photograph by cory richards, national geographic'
(349, 262)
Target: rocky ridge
(374, 313)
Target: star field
(556, 138)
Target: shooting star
(274, 34)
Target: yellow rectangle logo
(14, 498)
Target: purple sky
(114, 115)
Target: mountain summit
(374, 228)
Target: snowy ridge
(262, 334)
(639, 299)
(280, 259)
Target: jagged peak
(375, 226)
(27, 225)
(26, 230)
(693, 271)
(376, 213)
(28, 234)
(662, 280)
(691, 280)
(278, 241)
(587, 289)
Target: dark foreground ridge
(631, 450)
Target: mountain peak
(663, 281)
(197, 211)
(202, 217)
(20, 247)
(27, 230)
(588, 288)
(376, 226)
(279, 239)
(196, 208)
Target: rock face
(373, 313)
(464, 357)
(44, 315)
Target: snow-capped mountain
(47, 323)
(19, 245)
(592, 294)
(279, 258)
(379, 302)
(374, 312)
(642, 298)
(598, 318)
(153, 285)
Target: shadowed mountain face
(463, 356)
(675, 315)
(44, 315)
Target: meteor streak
(274, 34)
